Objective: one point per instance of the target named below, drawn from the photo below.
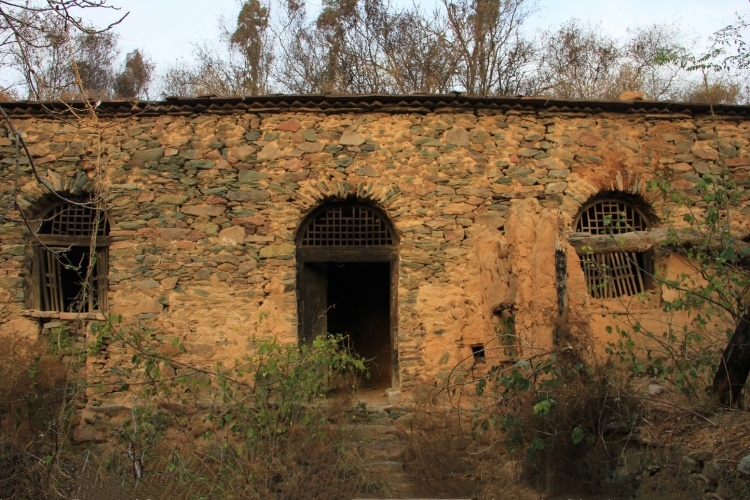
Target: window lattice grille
(611, 217)
(348, 226)
(69, 277)
(71, 219)
(617, 274)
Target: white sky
(165, 29)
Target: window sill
(33, 313)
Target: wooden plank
(641, 241)
(52, 282)
(339, 254)
(51, 240)
(312, 300)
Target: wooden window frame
(611, 275)
(49, 262)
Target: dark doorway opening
(347, 254)
(359, 308)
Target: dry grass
(33, 420)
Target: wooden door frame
(336, 254)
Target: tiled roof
(372, 103)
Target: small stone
(277, 251)
(743, 466)
(289, 125)
(702, 456)
(558, 173)
(589, 139)
(714, 471)
(724, 491)
(631, 145)
(145, 284)
(247, 266)
(742, 161)
(458, 136)
(344, 161)
(207, 210)
(681, 167)
(225, 257)
(692, 465)
(655, 389)
(555, 187)
(169, 283)
(269, 152)
(246, 176)
(479, 137)
(705, 152)
(528, 153)
(349, 138)
(249, 195)
(426, 141)
(533, 137)
(311, 147)
(171, 233)
(368, 171)
(703, 167)
(142, 156)
(232, 235)
(309, 135)
(171, 199)
(242, 153)
(200, 164)
(203, 274)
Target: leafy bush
(261, 431)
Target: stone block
(457, 136)
(171, 199)
(349, 138)
(256, 195)
(144, 155)
(232, 235)
(277, 251)
(202, 210)
(170, 233)
(241, 153)
(270, 152)
(704, 151)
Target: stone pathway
(382, 429)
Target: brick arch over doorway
(347, 256)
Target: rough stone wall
(204, 211)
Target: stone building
(423, 227)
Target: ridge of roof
(364, 103)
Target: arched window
(614, 274)
(347, 225)
(71, 259)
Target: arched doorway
(346, 282)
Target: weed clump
(34, 419)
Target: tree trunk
(734, 365)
